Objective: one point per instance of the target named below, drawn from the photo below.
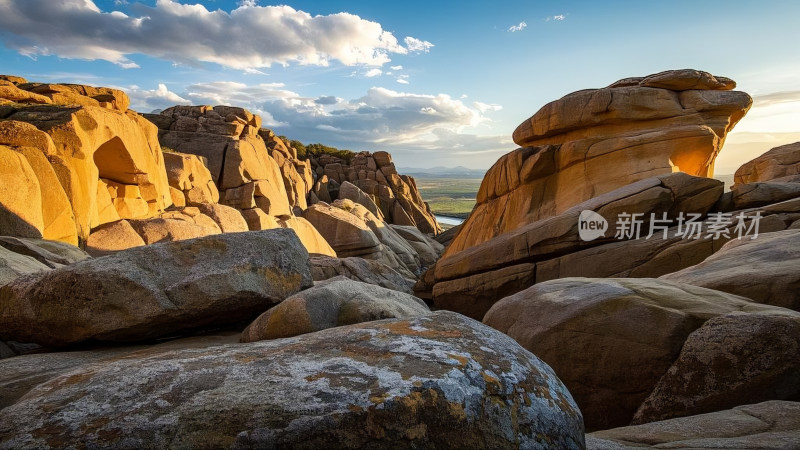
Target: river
(449, 220)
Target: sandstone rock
(780, 162)
(190, 175)
(446, 237)
(333, 303)
(309, 236)
(20, 196)
(622, 335)
(14, 94)
(157, 290)
(506, 262)
(169, 229)
(594, 141)
(359, 269)
(346, 233)
(428, 249)
(769, 425)
(765, 269)
(13, 265)
(259, 220)
(734, 359)
(229, 220)
(449, 390)
(350, 191)
(113, 237)
(90, 143)
(13, 79)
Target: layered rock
(767, 425)
(449, 390)
(470, 281)
(238, 161)
(157, 290)
(99, 161)
(594, 141)
(395, 195)
(359, 269)
(297, 175)
(612, 340)
(779, 164)
(333, 303)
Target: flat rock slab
(436, 381)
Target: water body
(449, 220)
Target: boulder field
(190, 279)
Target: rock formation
(779, 164)
(442, 387)
(594, 141)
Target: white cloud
(515, 28)
(417, 46)
(373, 73)
(251, 71)
(557, 18)
(249, 36)
(160, 98)
(402, 79)
(484, 107)
(397, 67)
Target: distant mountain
(442, 172)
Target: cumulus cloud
(373, 73)
(160, 98)
(417, 46)
(402, 79)
(515, 28)
(249, 36)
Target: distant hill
(442, 172)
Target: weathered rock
(359, 269)
(610, 340)
(309, 236)
(50, 253)
(333, 303)
(428, 249)
(774, 165)
(169, 229)
(229, 220)
(13, 265)
(769, 425)
(157, 290)
(758, 194)
(349, 191)
(20, 196)
(447, 389)
(447, 235)
(507, 261)
(765, 269)
(191, 176)
(257, 219)
(594, 141)
(734, 359)
(113, 237)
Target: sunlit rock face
(594, 141)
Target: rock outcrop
(611, 340)
(360, 269)
(396, 195)
(157, 290)
(779, 164)
(593, 141)
(445, 388)
(333, 303)
(768, 425)
(99, 161)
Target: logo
(591, 225)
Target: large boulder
(427, 382)
(765, 269)
(13, 265)
(189, 174)
(360, 269)
(333, 303)
(113, 237)
(610, 340)
(309, 236)
(734, 359)
(594, 141)
(470, 281)
(157, 290)
(780, 163)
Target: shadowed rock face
(594, 141)
(779, 164)
(156, 291)
(427, 382)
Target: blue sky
(434, 83)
